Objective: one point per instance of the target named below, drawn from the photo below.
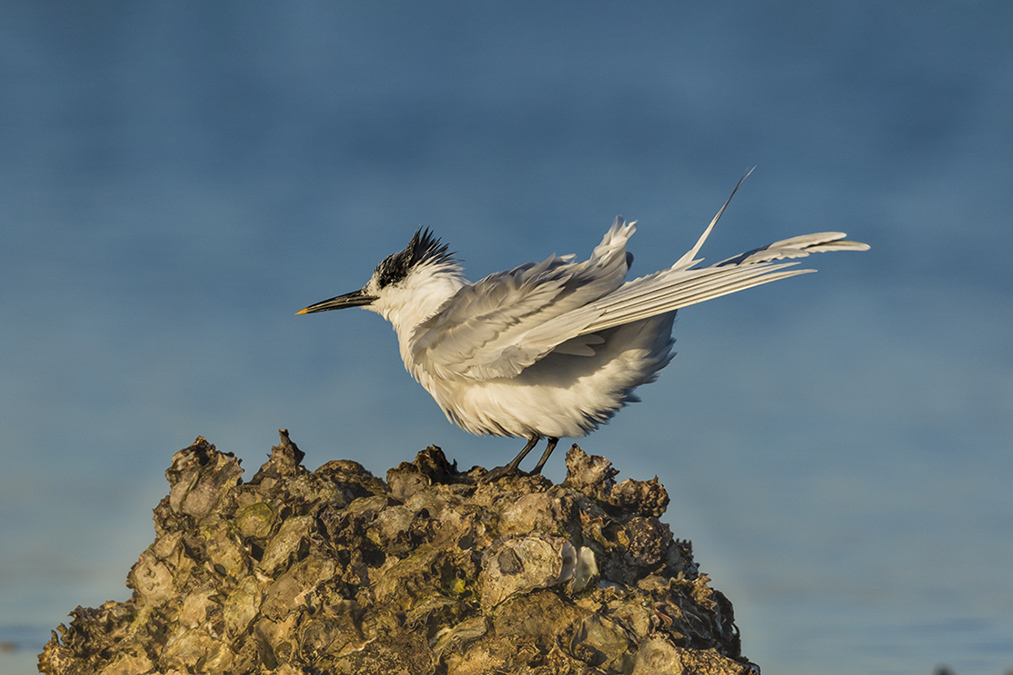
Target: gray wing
(676, 288)
(484, 330)
(684, 284)
(507, 321)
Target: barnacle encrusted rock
(429, 572)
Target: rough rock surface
(336, 571)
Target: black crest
(423, 248)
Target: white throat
(417, 298)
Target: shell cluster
(431, 571)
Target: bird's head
(406, 287)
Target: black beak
(353, 299)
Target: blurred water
(177, 179)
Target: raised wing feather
(481, 332)
(676, 288)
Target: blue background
(177, 179)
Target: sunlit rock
(431, 571)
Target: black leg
(511, 468)
(545, 455)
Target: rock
(431, 571)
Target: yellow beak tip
(303, 311)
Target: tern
(551, 349)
